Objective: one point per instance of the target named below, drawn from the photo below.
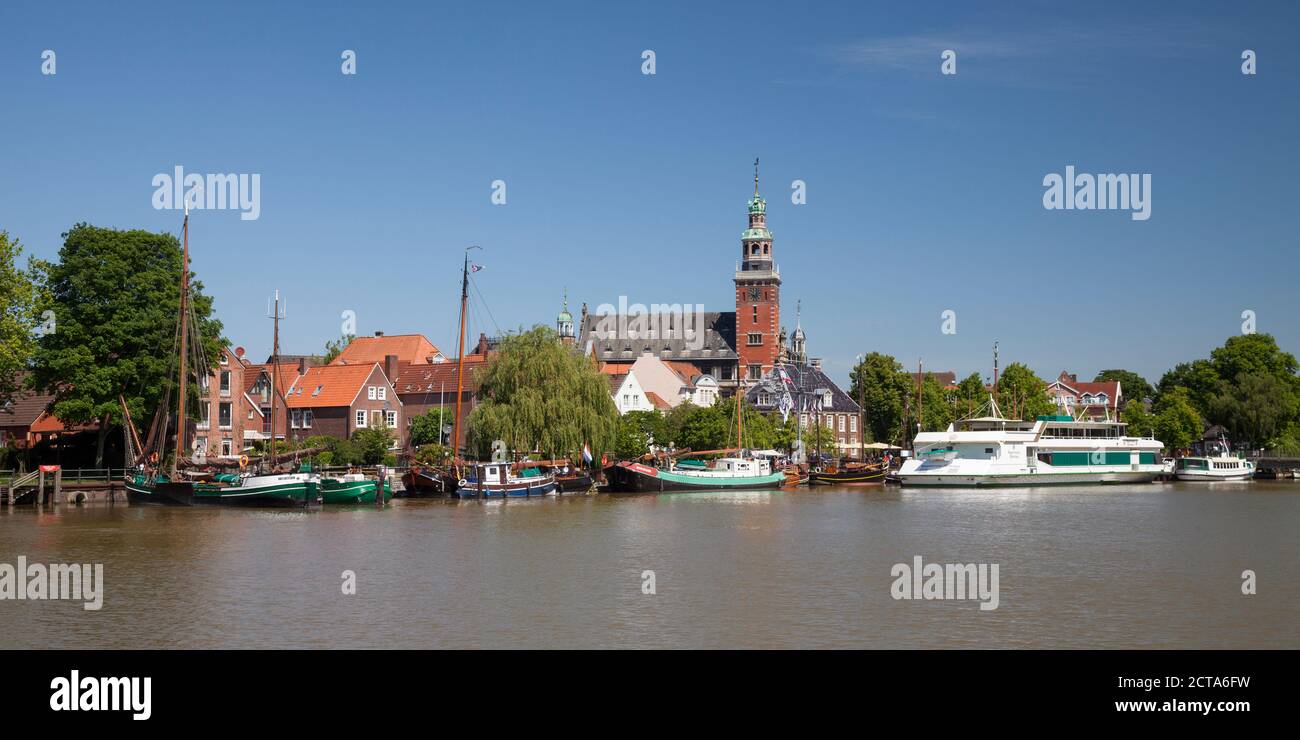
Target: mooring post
(379, 487)
(58, 486)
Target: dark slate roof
(719, 340)
(805, 379)
(24, 408)
(616, 382)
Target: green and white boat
(352, 488)
(726, 474)
(994, 451)
(291, 489)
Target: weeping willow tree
(540, 396)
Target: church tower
(758, 294)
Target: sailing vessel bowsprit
(146, 480)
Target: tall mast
(740, 408)
(995, 368)
(185, 290)
(460, 352)
(920, 397)
(275, 368)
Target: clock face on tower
(754, 294)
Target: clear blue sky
(924, 191)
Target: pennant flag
(475, 268)
(786, 405)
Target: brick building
(337, 400)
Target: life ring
(462, 483)
(243, 461)
(153, 457)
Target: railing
(7, 492)
(70, 475)
(92, 475)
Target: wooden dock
(1278, 466)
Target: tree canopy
(1022, 394)
(1248, 385)
(116, 298)
(879, 380)
(19, 295)
(539, 396)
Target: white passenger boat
(994, 451)
(1218, 464)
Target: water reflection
(1122, 566)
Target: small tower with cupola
(564, 323)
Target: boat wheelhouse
(1057, 449)
(503, 479)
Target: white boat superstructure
(1219, 464)
(994, 451)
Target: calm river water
(1129, 566)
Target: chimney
(379, 333)
(302, 365)
(390, 367)
(482, 347)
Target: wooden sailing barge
(155, 477)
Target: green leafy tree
(970, 396)
(637, 430)
(1178, 423)
(939, 405)
(426, 428)
(19, 295)
(881, 383)
(335, 347)
(706, 429)
(1256, 407)
(759, 432)
(116, 297)
(537, 395)
(1132, 385)
(373, 444)
(1254, 354)
(1198, 379)
(1140, 421)
(1022, 394)
(432, 454)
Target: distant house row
(375, 381)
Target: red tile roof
(434, 378)
(338, 385)
(413, 348)
(288, 374)
(658, 402)
(688, 370)
(51, 423)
